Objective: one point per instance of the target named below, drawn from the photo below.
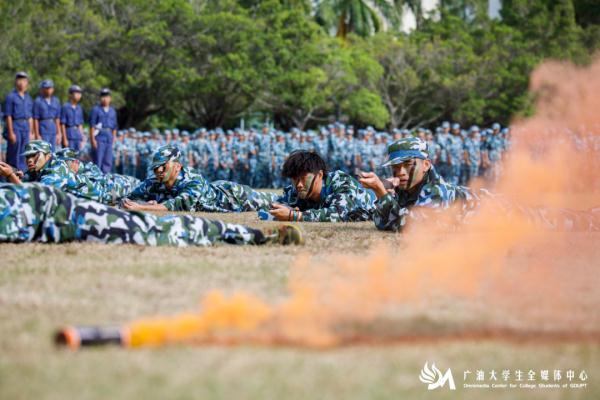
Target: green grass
(43, 287)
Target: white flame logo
(434, 377)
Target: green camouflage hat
(37, 146)
(67, 154)
(165, 154)
(405, 149)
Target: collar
(326, 186)
(17, 93)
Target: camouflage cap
(406, 148)
(37, 146)
(67, 154)
(165, 154)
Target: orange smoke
(499, 271)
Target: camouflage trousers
(454, 173)
(38, 213)
(238, 198)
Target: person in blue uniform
(46, 115)
(18, 109)
(71, 120)
(103, 129)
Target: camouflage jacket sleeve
(389, 215)
(288, 196)
(187, 197)
(142, 191)
(57, 174)
(76, 185)
(345, 200)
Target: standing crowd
(253, 157)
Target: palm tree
(363, 17)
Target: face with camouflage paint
(167, 173)
(308, 185)
(36, 162)
(410, 173)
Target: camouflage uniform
(494, 146)
(443, 141)
(342, 199)
(234, 197)
(279, 155)
(39, 213)
(455, 149)
(393, 210)
(225, 169)
(473, 150)
(191, 192)
(264, 160)
(241, 167)
(119, 186)
(58, 174)
(322, 145)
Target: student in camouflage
(38, 213)
(417, 184)
(43, 167)
(118, 185)
(319, 195)
(175, 188)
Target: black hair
(301, 162)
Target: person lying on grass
(33, 212)
(174, 187)
(317, 194)
(418, 187)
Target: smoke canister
(84, 336)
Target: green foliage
(303, 63)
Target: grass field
(43, 287)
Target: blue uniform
(20, 109)
(106, 122)
(264, 161)
(473, 150)
(72, 117)
(455, 148)
(279, 155)
(47, 111)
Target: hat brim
(153, 166)
(396, 160)
(33, 152)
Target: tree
(229, 57)
(409, 85)
(360, 17)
